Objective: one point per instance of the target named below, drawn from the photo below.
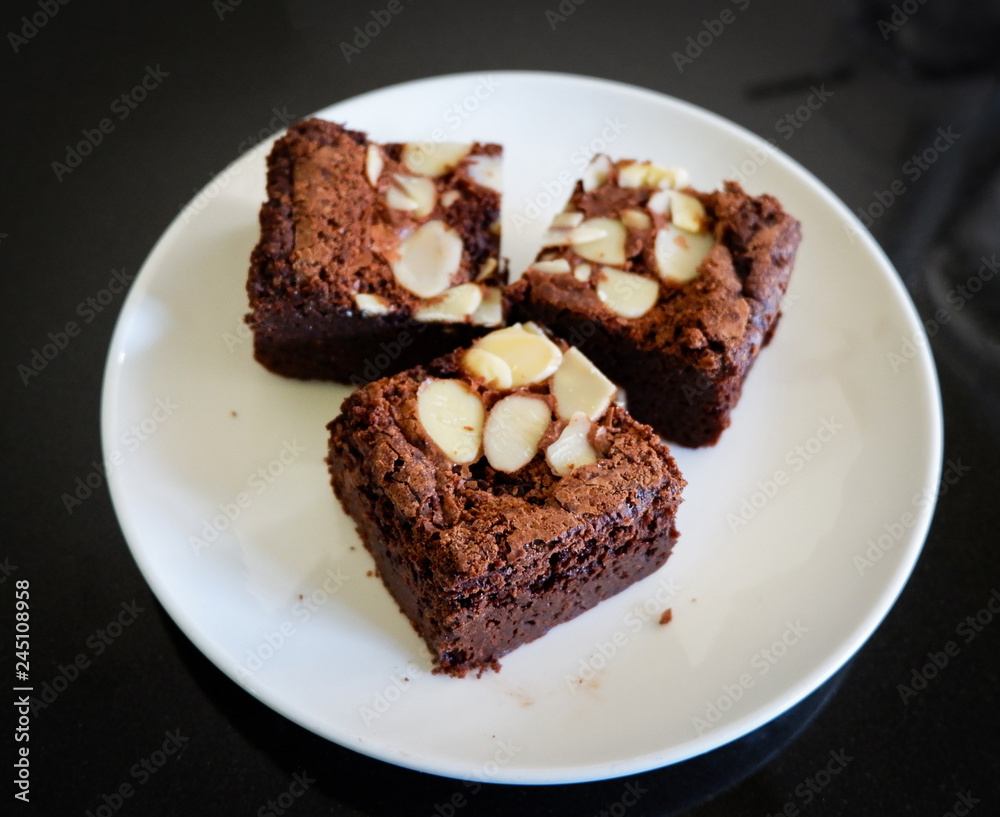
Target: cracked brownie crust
(683, 362)
(480, 560)
(327, 234)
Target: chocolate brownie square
(673, 290)
(373, 257)
(502, 491)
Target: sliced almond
(596, 173)
(650, 174)
(371, 304)
(514, 428)
(373, 164)
(572, 449)
(675, 177)
(487, 171)
(428, 258)
(448, 198)
(592, 230)
(659, 202)
(531, 357)
(398, 200)
(415, 194)
(562, 237)
(451, 306)
(632, 174)
(487, 269)
(621, 397)
(490, 367)
(578, 385)
(452, 415)
(679, 253)
(626, 293)
(636, 219)
(582, 272)
(657, 175)
(555, 266)
(664, 177)
(496, 227)
(433, 158)
(490, 309)
(687, 212)
(557, 238)
(608, 248)
(566, 221)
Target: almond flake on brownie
(501, 491)
(373, 257)
(674, 290)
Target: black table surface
(222, 75)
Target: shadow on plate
(372, 787)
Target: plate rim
(724, 733)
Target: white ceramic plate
(217, 474)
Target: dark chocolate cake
(672, 290)
(373, 258)
(501, 491)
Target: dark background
(227, 71)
